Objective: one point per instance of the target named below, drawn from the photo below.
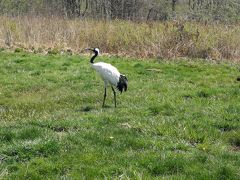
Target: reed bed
(126, 38)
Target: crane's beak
(87, 49)
(91, 49)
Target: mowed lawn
(178, 120)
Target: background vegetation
(143, 10)
(155, 28)
(126, 38)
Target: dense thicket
(220, 10)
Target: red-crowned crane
(110, 75)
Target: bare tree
(126, 9)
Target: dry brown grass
(154, 39)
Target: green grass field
(178, 120)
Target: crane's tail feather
(122, 83)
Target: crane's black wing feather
(122, 83)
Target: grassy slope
(178, 119)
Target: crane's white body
(107, 72)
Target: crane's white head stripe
(96, 49)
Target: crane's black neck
(94, 56)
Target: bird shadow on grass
(85, 109)
(90, 108)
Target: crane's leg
(105, 94)
(114, 93)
